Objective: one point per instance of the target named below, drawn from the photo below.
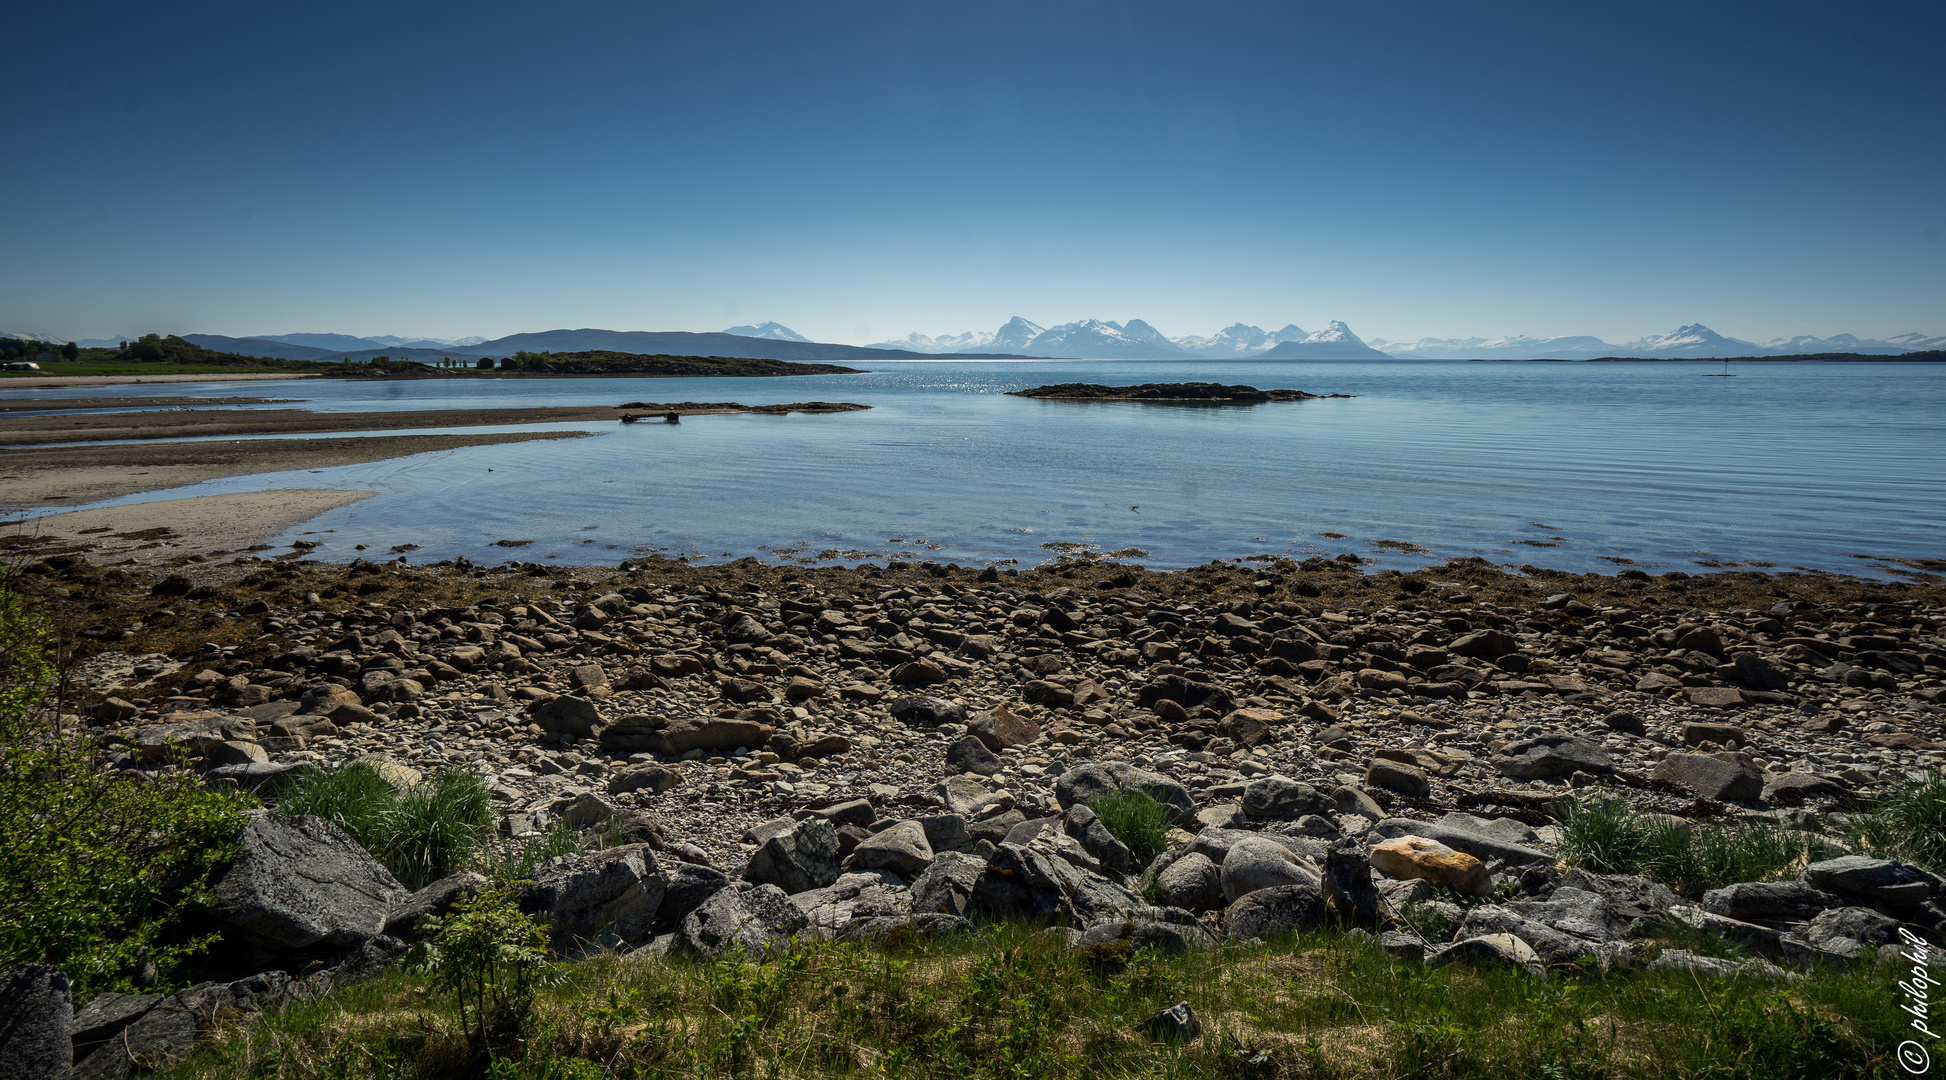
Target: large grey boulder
(1843, 934)
(1035, 881)
(1169, 930)
(1879, 879)
(1283, 797)
(880, 929)
(591, 896)
(1768, 899)
(36, 1018)
(1544, 757)
(106, 1016)
(1191, 882)
(946, 887)
(167, 1029)
(1280, 909)
(1578, 912)
(300, 881)
(946, 832)
(689, 884)
(1722, 777)
(901, 849)
(867, 895)
(1262, 864)
(805, 857)
(759, 919)
(1580, 935)
(1086, 782)
(1637, 899)
(434, 900)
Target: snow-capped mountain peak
(769, 331)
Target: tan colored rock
(1408, 857)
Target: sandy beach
(173, 528)
(77, 475)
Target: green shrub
(1136, 819)
(99, 865)
(421, 834)
(1604, 836)
(491, 959)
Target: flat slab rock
(300, 881)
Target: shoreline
(34, 478)
(189, 528)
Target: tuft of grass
(355, 798)
(1605, 835)
(1909, 823)
(1136, 819)
(421, 834)
(436, 826)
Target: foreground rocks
(902, 750)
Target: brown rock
(1409, 857)
(745, 691)
(1249, 727)
(1000, 728)
(1407, 780)
(1717, 697)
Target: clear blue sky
(861, 170)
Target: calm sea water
(1573, 466)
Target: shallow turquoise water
(1794, 464)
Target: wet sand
(76, 475)
(214, 423)
(177, 527)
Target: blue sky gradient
(861, 170)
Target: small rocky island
(1190, 393)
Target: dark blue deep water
(1573, 466)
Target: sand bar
(40, 430)
(76, 475)
(192, 526)
(24, 405)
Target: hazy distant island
(1189, 393)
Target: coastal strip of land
(77, 475)
(28, 405)
(1190, 393)
(41, 430)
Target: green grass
(421, 834)
(1909, 824)
(1011, 1002)
(508, 860)
(1605, 835)
(1136, 819)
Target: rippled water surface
(1564, 465)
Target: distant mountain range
(1694, 340)
(1092, 339)
(1089, 339)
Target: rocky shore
(862, 752)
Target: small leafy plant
(1136, 819)
(492, 960)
